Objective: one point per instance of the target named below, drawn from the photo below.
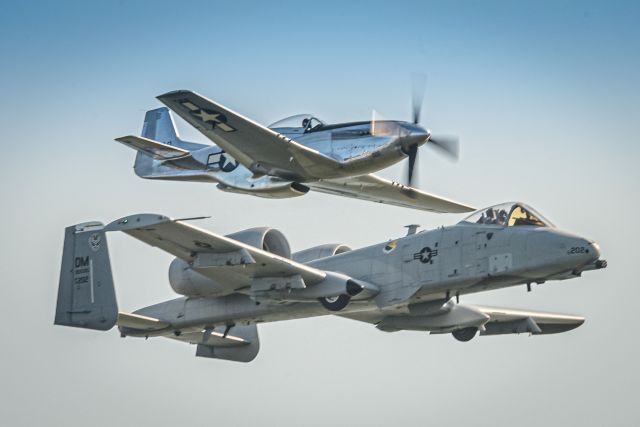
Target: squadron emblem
(390, 246)
(94, 242)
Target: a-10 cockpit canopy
(299, 123)
(511, 214)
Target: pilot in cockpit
(502, 217)
(305, 122)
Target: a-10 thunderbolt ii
(288, 158)
(231, 283)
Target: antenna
(411, 228)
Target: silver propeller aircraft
(231, 283)
(288, 158)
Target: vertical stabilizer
(159, 126)
(86, 295)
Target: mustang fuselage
(352, 145)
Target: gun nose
(594, 250)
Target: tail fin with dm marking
(86, 295)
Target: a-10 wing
(495, 320)
(240, 262)
(515, 321)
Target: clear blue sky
(544, 96)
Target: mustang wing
(376, 189)
(210, 252)
(256, 147)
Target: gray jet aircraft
(288, 158)
(231, 283)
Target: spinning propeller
(446, 144)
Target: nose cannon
(557, 255)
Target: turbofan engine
(321, 251)
(189, 281)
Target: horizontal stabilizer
(235, 343)
(139, 322)
(152, 148)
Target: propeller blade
(413, 155)
(418, 87)
(446, 144)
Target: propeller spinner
(446, 144)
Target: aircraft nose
(415, 134)
(556, 248)
(593, 248)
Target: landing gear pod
(336, 303)
(465, 334)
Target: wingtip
(123, 139)
(136, 221)
(173, 93)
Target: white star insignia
(206, 117)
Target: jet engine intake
(185, 279)
(265, 238)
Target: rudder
(86, 294)
(159, 126)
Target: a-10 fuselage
(479, 254)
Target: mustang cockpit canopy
(511, 214)
(299, 123)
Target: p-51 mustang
(288, 158)
(231, 283)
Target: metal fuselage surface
(428, 266)
(351, 144)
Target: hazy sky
(544, 96)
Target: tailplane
(160, 127)
(86, 295)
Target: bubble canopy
(510, 214)
(303, 121)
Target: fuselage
(431, 265)
(352, 145)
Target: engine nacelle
(189, 281)
(322, 251)
(265, 238)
